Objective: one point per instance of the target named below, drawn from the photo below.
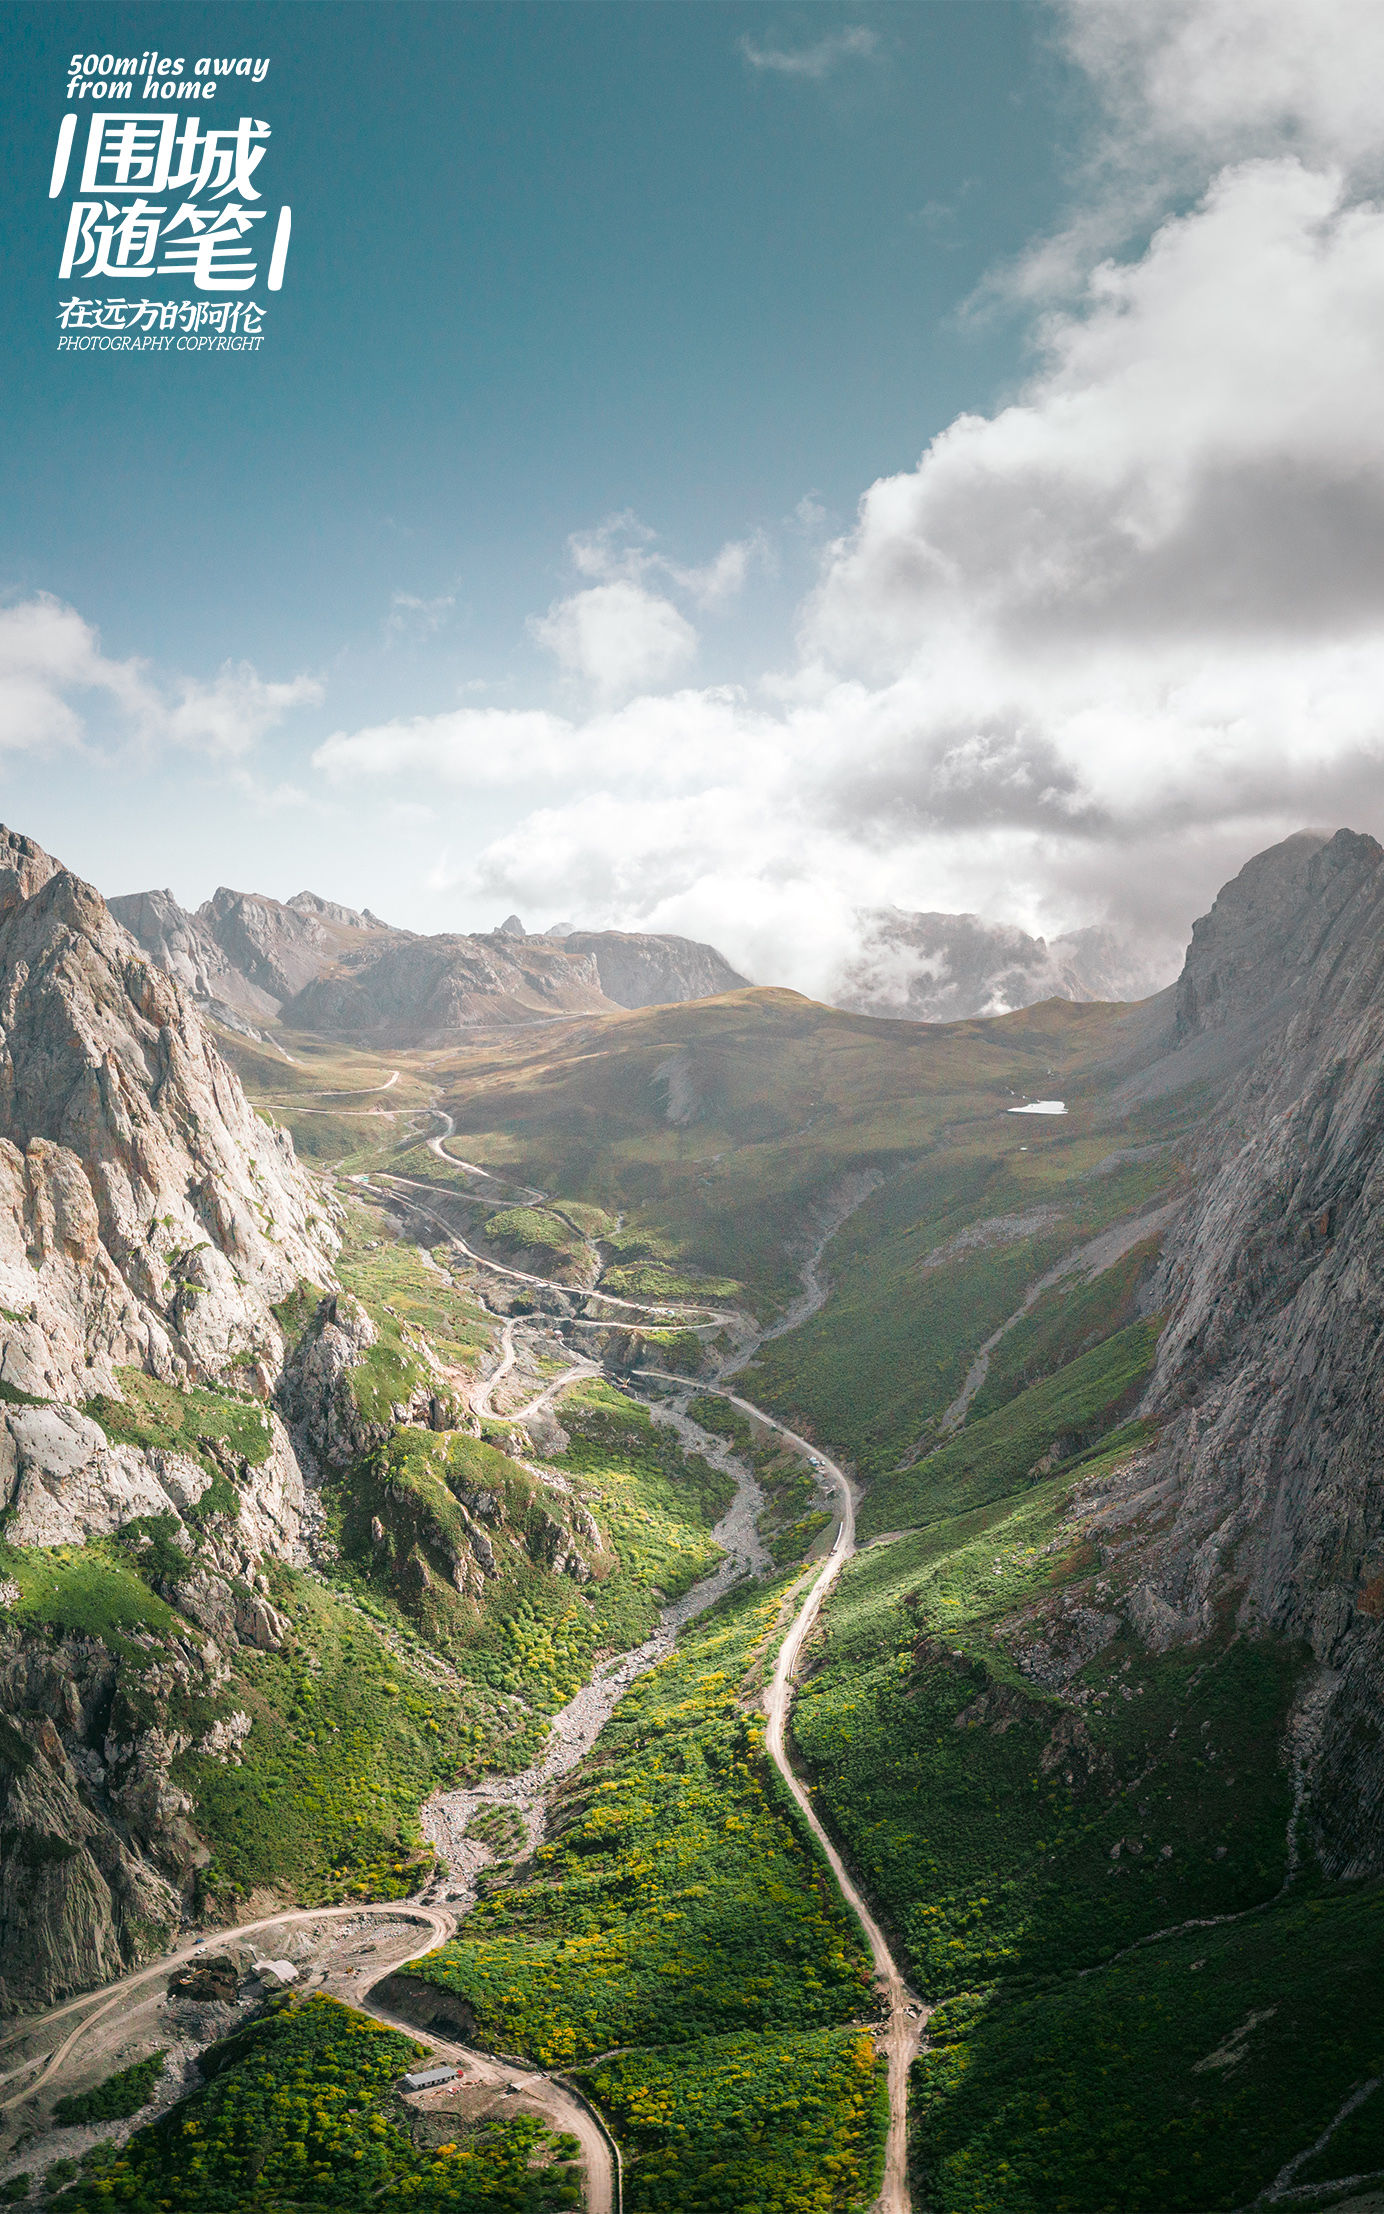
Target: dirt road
(517, 2088)
(440, 1925)
(906, 2017)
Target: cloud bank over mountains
(1075, 665)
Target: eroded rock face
(99, 1845)
(147, 1216)
(182, 944)
(1262, 1499)
(277, 947)
(316, 1390)
(148, 1220)
(1269, 927)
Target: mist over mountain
(944, 968)
(317, 965)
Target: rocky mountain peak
(183, 945)
(277, 947)
(329, 910)
(1267, 927)
(24, 869)
(147, 1216)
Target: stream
(576, 1727)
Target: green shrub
(120, 2095)
(790, 2124)
(532, 1229)
(677, 1901)
(299, 2112)
(91, 1590)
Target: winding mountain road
(439, 1923)
(906, 2017)
(529, 2087)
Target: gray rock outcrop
(1262, 1501)
(147, 1215)
(183, 945)
(643, 969)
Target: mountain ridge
(315, 965)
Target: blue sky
(421, 605)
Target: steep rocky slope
(147, 1215)
(149, 1223)
(1261, 1505)
(182, 944)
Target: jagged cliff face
(149, 1221)
(147, 1216)
(1262, 1506)
(279, 947)
(182, 944)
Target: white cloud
(47, 655)
(620, 548)
(1084, 658)
(617, 637)
(1201, 455)
(412, 617)
(815, 61)
(1222, 78)
(230, 715)
(1081, 660)
(57, 688)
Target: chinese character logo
(136, 165)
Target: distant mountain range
(944, 968)
(317, 966)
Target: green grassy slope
(776, 1099)
(1020, 1844)
(946, 1771)
(1179, 2080)
(989, 1458)
(919, 1280)
(681, 1923)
